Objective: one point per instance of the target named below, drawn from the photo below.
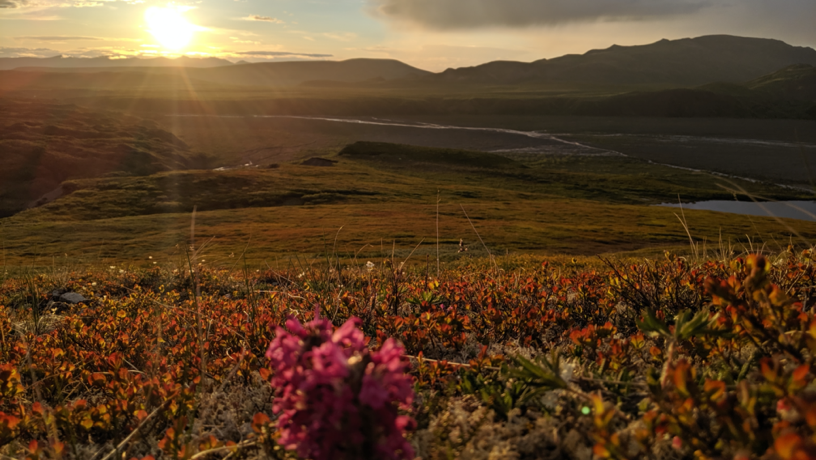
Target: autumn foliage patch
(666, 359)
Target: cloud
(244, 42)
(342, 37)
(277, 54)
(6, 52)
(24, 17)
(469, 14)
(55, 38)
(45, 4)
(257, 17)
(112, 52)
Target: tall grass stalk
(5, 267)
(33, 292)
(695, 247)
(437, 235)
(196, 293)
(490, 256)
(253, 304)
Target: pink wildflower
(336, 399)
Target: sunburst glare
(169, 27)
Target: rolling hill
(713, 76)
(381, 192)
(797, 82)
(45, 144)
(685, 62)
(292, 73)
(264, 74)
(665, 64)
(99, 80)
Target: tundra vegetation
(510, 357)
(508, 290)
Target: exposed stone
(72, 298)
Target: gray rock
(72, 298)
(56, 293)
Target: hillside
(685, 62)
(45, 144)
(65, 82)
(225, 77)
(290, 73)
(377, 172)
(393, 155)
(379, 191)
(668, 63)
(796, 82)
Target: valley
(607, 255)
(544, 157)
(380, 198)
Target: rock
(72, 298)
(56, 293)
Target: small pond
(802, 210)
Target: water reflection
(802, 210)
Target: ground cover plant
(515, 358)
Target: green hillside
(46, 144)
(796, 82)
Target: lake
(802, 210)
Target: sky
(429, 34)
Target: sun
(169, 27)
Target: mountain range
(685, 62)
(295, 72)
(713, 76)
(667, 63)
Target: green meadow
(377, 199)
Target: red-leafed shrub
(630, 359)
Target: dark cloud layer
(464, 14)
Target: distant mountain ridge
(62, 62)
(713, 76)
(685, 62)
(249, 74)
(296, 72)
